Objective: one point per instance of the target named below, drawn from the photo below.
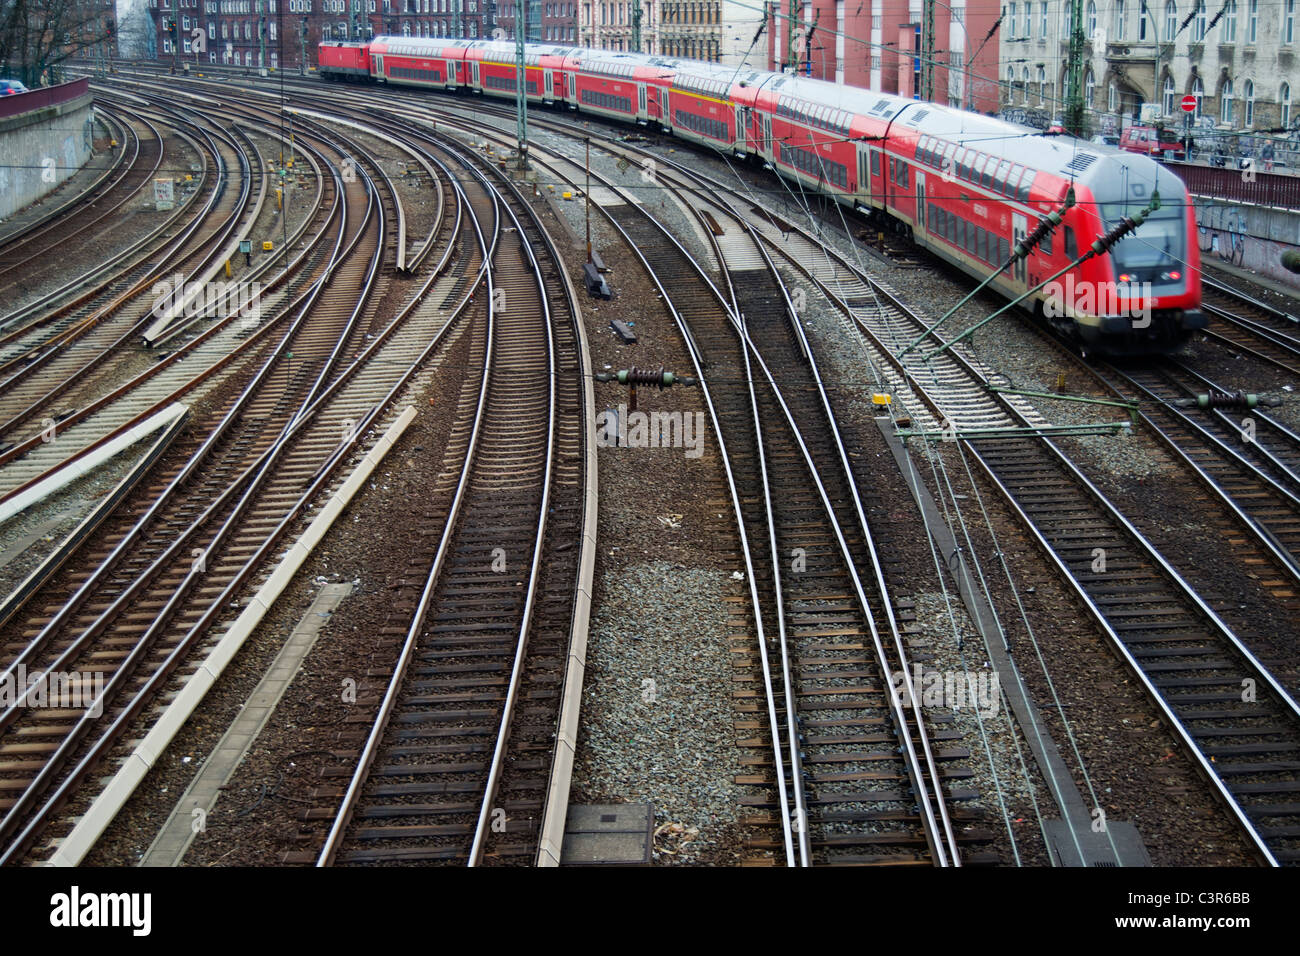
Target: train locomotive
(965, 186)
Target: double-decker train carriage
(965, 186)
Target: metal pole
(261, 39)
(521, 83)
(587, 196)
(455, 19)
(927, 50)
(1074, 105)
(636, 28)
(790, 60)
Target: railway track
(968, 408)
(457, 765)
(1249, 461)
(129, 390)
(1193, 666)
(72, 341)
(47, 245)
(851, 776)
(1252, 327)
(168, 566)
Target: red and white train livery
(965, 186)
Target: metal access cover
(608, 834)
(1099, 849)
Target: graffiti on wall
(1221, 231)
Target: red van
(1162, 144)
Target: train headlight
(1173, 276)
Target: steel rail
(370, 749)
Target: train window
(1000, 177)
(952, 222)
(1046, 244)
(986, 177)
(972, 232)
(1004, 250)
(1012, 179)
(976, 165)
(1071, 250)
(960, 237)
(875, 163)
(1028, 181)
(893, 172)
(983, 249)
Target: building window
(1042, 19)
(1120, 19)
(1171, 21)
(1229, 32)
(1092, 18)
(1142, 21)
(1288, 22)
(1042, 86)
(1112, 98)
(1284, 99)
(1089, 87)
(1024, 76)
(1198, 91)
(1198, 25)
(1225, 103)
(1169, 96)
(1249, 92)
(1252, 22)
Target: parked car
(10, 87)
(1163, 144)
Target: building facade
(717, 30)
(1238, 60)
(265, 33)
(879, 44)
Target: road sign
(1189, 103)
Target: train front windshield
(1154, 251)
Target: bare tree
(133, 33)
(36, 36)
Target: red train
(965, 186)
